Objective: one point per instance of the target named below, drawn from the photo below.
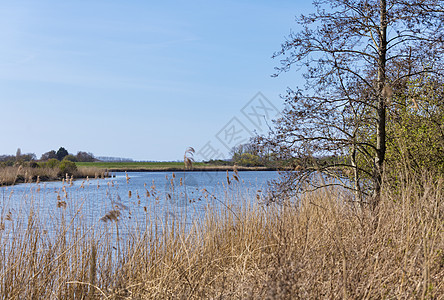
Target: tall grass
(324, 247)
(21, 174)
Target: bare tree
(48, 155)
(355, 54)
(85, 156)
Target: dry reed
(20, 174)
(324, 247)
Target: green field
(162, 166)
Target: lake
(132, 197)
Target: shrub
(70, 157)
(52, 163)
(34, 164)
(248, 160)
(67, 167)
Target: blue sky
(138, 79)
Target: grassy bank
(324, 248)
(161, 166)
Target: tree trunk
(358, 194)
(381, 110)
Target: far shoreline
(102, 173)
(194, 169)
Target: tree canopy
(359, 58)
(61, 153)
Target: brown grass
(20, 174)
(325, 248)
(91, 172)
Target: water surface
(135, 196)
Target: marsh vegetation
(321, 245)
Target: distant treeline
(60, 154)
(253, 155)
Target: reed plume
(112, 215)
(188, 158)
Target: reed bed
(322, 247)
(21, 174)
(91, 172)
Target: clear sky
(138, 79)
